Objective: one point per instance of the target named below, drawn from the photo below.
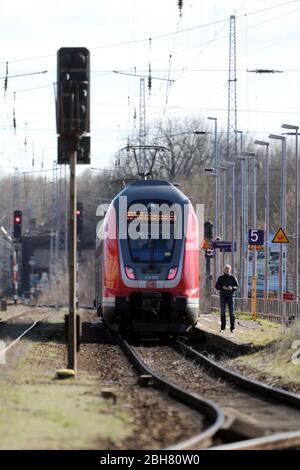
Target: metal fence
(278, 311)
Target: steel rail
(61, 305)
(4, 350)
(25, 312)
(255, 386)
(207, 408)
(280, 441)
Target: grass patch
(276, 358)
(38, 412)
(259, 332)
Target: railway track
(255, 416)
(239, 380)
(10, 327)
(276, 399)
(212, 413)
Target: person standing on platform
(227, 284)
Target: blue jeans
(223, 302)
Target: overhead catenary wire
(159, 36)
(152, 71)
(207, 42)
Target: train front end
(150, 260)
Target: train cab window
(151, 251)
(152, 245)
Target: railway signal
(208, 230)
(17, 225)
(66, 146)
(73, 123)
(17, 239)
(73, 94)
(73, 104)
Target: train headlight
(172, 272)
(129, 272)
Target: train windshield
(151, 235)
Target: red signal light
(17, 225)
(77, 212)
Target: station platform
(248, 336)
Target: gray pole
(246, 259)
(224, 206)
(296, 288)
(282, 205)
(143, 122)
(217, 190)
(243, 230)
(254, 218)
(267, 224)
(233, 219)
(296, 210)
(267, 215)
(243, 158)
(216, 218)
(227, 166)
(224, 167)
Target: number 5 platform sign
(255, 237)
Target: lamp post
(244, 158)
(228, 166)
(296, 211)
(213, 171)
(282, 205)
(216, 162)
(217, 191)
(253, 246)
(267, 215)
(242, 194)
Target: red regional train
(147, 260)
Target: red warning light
(17, 225)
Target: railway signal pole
(73, 121)
(17, 236)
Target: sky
(192, 50)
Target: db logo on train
(151, 284)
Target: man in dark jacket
(227, 284)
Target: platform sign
(210, 253)
(274, 255)
(255, 237)
(256, 247)
(223, 245)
